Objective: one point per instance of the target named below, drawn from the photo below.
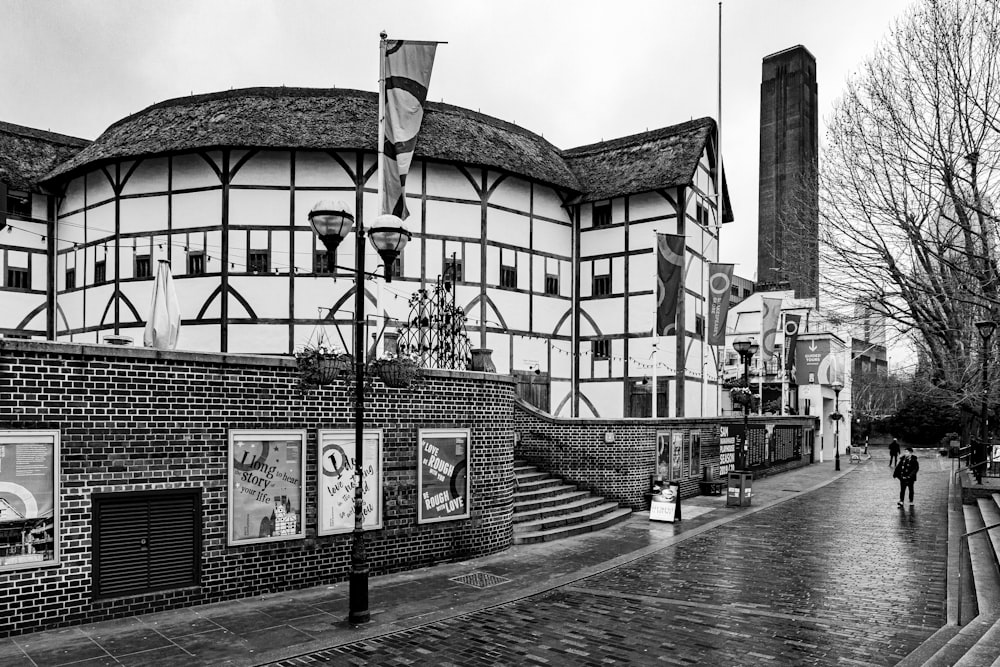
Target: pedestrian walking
(893, 453)
(906, 473)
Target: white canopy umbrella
(164, 322)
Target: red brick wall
(132, 419)
(576, 449)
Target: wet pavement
(821, 569)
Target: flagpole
(381, 120)
(719, 205)
(784, 365)
(656, 333)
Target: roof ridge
(621, 142)
(35, 133)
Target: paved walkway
(821, 569)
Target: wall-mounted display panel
(443, 475)
(29, 494)
(338, 464)
(267, 470)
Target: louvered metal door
(146, 542)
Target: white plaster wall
(652, 205)
(601, 241)
(73, 199)
(97, 300)
(191, 171)
(508, 228)
(266, 294)
(99, 187)
(320, 170)
(261, 207)
(548, 204)
(258, 338)
(513, 307)
(263, 168)
(447, 181)
(149, 176)
(553, 238)
(143, 214)
(445, 218)
(197, 209)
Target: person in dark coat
(906, 473)
(893, 453)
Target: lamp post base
(359, 596)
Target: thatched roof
(323, 119)
(663, 158)
(26, 154)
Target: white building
(552, 250)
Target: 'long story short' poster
(442, 475)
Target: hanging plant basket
(398, 373)
(330, 369)
(319, 366)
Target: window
(602, 285)
(699, 326)
(735, 291)
(18, 278)
(196, 263)
(601, 349)
(602, 215)
(397, 266)
(551, 284)
(70, 278)
(702, 214)
(258, 261)
(453, 270)
(508, 276)
(322, 262)
(142, 266)
(19, 203)
(100, 271)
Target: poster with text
(266, 499)
(338, 465)
(29, 490)
(443, 475)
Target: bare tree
(907, 184)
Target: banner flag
(769, 315)
(720, 280)
(669, 270)
(406, 76)
(791, 337)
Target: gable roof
(27, 154)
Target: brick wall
(616, 458)
(132, 419)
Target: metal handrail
(964, 543)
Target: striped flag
(669, 270)
(720, 280)
(405, 77)
(769, 315)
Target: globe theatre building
(550, 250)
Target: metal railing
(963, 545)
(988, 467)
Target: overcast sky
(575, 71)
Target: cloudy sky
(575, 71)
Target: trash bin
(739, 492)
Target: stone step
(566, 506)
(577, 516)
(536, 495)
(527, 477)
(609, 519)
(533, 504)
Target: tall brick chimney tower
(788, 209)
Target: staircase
(972, 639)
(546, 508)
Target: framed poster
(677, 455)
(337, 461)
(29, 499)
(694, 454)
(663, 454)
(442, 475)
(266, 473)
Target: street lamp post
(746, 349)
(837, 387)
(986, 329)
(332, 222)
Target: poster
(29, 490)
(442, 475)
(727, 450)
(665, 503)
(266, 499)
(338, 480)
(670, 454)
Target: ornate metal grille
(435, 332)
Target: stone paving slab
(783, 581)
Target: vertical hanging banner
(442, 475)
(406, 75)
(669, 271)
(791, 338)
(769, 316)
(266, 473)
(337, 459)
(720, 281)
